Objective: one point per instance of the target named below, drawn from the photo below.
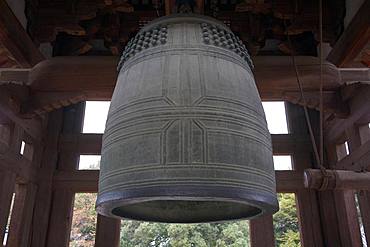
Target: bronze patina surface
(186, 138)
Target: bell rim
(265, 202)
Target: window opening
(96, 113)
(139, 233)
(347, 148)
(276, 117)
(89, 162)
(286, 226)
(83, 220)
(6, 234)
(283, 162)
(23, 145)
(342, 150)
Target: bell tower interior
(231, 123)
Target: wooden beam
(333, 104)
(288, 181)
(199, 6)
(358, 160)
(56, 82)
(10, 107)
(168, 6)
(354, 38)
(16, 40)
(360, 114)
(283, 144)
(87, 181)
(11, 160)
(337, 180)
(81, 143)
(275, 75)
(353, 75)
(14, 75)
(22, 167)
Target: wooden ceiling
(96, 27)
(103, 27)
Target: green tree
(286, 222)
(145, 234)
(83, 221)
(137, 234)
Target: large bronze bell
(186, 138)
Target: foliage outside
(144, 234)
(286, 222)
(83, 221)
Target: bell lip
(263, 201)
(181, 18)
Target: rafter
(354, 39)
(16, 40)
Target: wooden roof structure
(42, 103)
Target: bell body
(186, 138)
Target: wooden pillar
(347, 218)
(62, 199)
(357, 135)
(307, 201)
(364, 203)
(60, 219)
(337, 209)
(329, 220)
(364, 196)
(8, 179)
(345, 211)
(7, 183)
(20, 224)
(107, 232)
(44, 192)
(307, 207)
(262, 232)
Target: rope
(321, 88)
(318, 155)
(307, 117)
(321, 164)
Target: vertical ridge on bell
(186, 138)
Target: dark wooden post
(47, 167)
(7, 183)
(344, 205)
(307, 204)
(62, 202)
(8, 178)
(358, 135)
(20, 224)
(107, 232)
(262, 231)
